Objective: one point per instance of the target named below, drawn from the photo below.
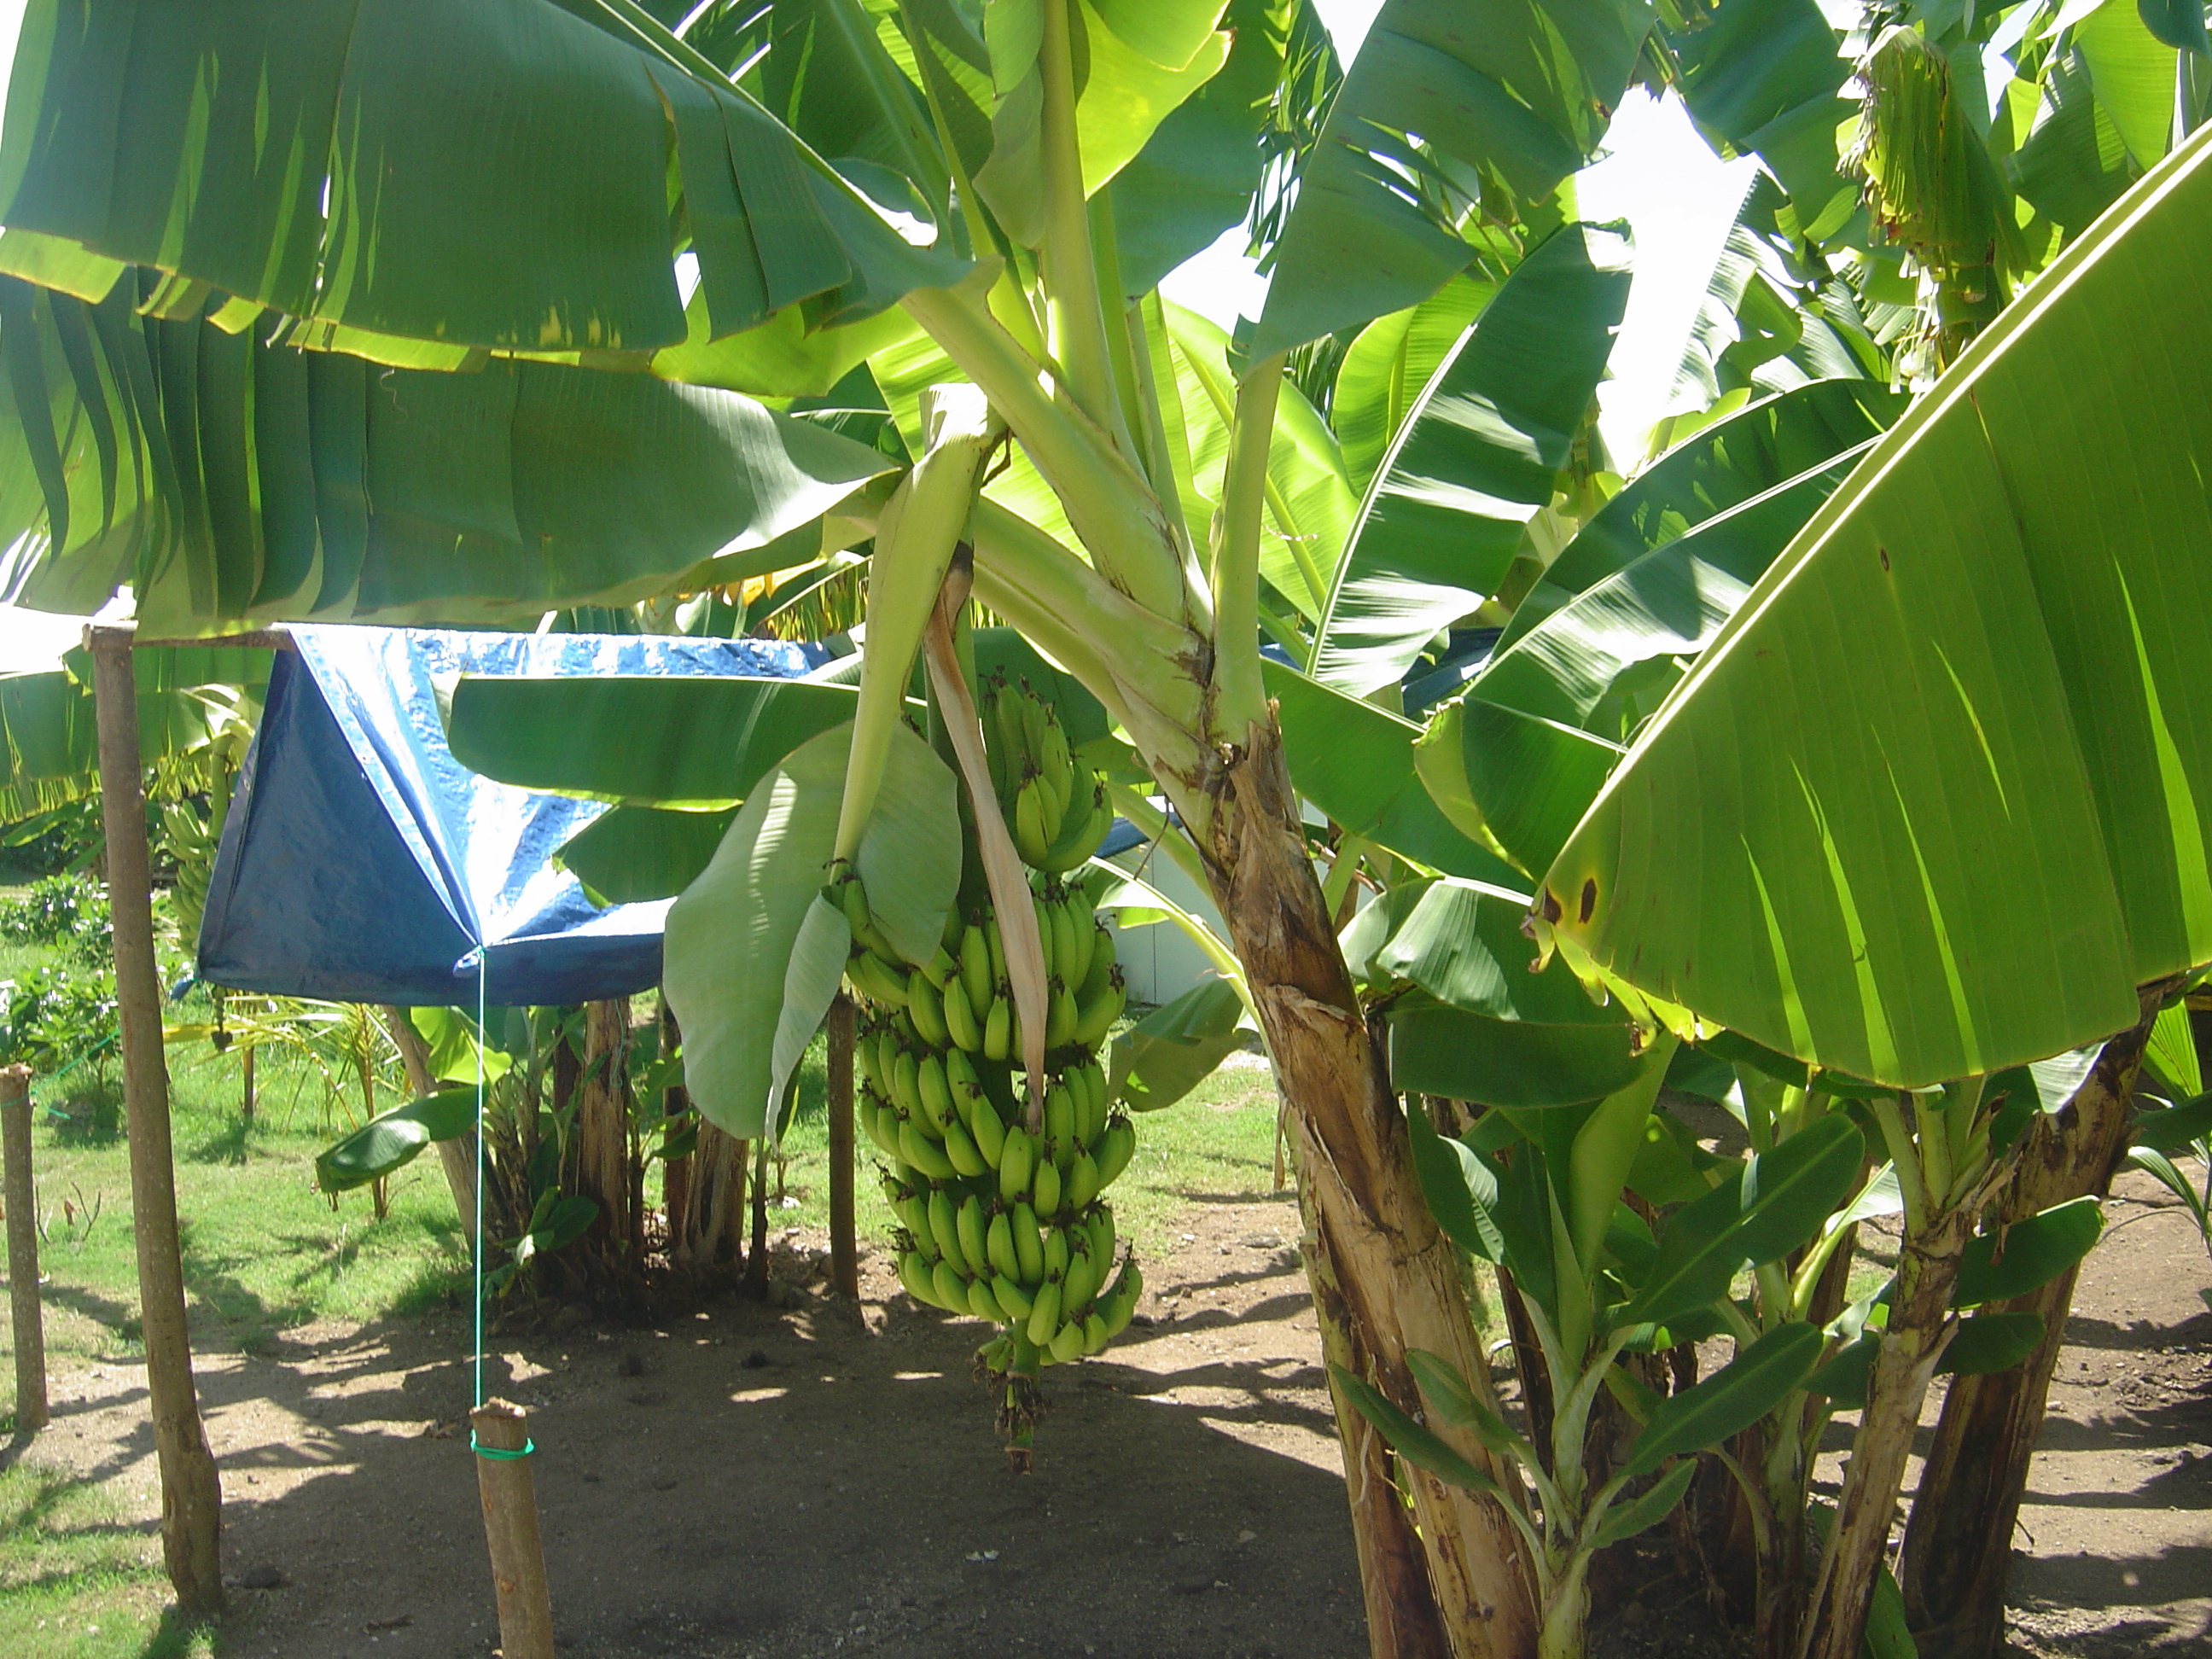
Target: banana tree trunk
(1958, 1543)
(603, 1169)
(1904, 1365)
(1446, 1578)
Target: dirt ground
(803, 1479)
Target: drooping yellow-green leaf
(1935, 802)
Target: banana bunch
(997, 1218)
(1055, 803)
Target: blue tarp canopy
(361, 862)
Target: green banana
(1094, 1333)
(1018, 1303)
(999, 1245)
(1056, 1253)
(924, 1154)
(882, 1124)
(913, 1210)
(1078, 1283)
(1117, 1145)
(960, 1148)
(1082, 1181)
(998, 1030)
(944, 1228)
(1060, 1116)
(1044, 1314)
(995, 947)
(975, 975)
(1121, 1302)
(1044, 1189)
(924, 1007)
(906, 1088)
(960, 1015)
(1066, 1344)
(969, 1223)
(1089, 1084)
(915, 1273)
(939, 969)
(876, 979)
(1055, 764)
(1030, 838)
(982, 1302)
(952, 1287)
(1028, 1243)
(1060, 1023)
(1072, 949)
(1100, 969)
(987, 1129)
(870, 1052)
(929, 1088)
(1015, 1161)
(1096, 1017)
(1099, 1223)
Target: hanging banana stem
(1002, 864)
(915, 535)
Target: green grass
(78, 1582)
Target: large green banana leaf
(660, 741)
(1354, 761)
(227, 477)
(488, 174)
(1445, 104)
(1718, 466)
(1767, 75)
(1474, 458)
(1933, 803)
(1386, 366)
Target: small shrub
(65, 910)
(54, 1017)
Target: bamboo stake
(192, 1495)
(844, 1251)
(510, 1513)
(23, 1251)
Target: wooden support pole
(510, 1514)
(192, 1497)
(844, 1249)
(30, 1331)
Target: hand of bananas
(998, 1221)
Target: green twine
(500, 1453)
(479, 1237)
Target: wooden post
(192, 1497)
(23, 1250)
(844, 1251)
(245, 1065)
(510, 1513)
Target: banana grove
(1839, 757)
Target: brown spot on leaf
(1885, 556)
(1551, 907)
(1588, 906)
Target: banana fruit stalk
(921, 526)
(1000, 1207)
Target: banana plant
(1543, 1203)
